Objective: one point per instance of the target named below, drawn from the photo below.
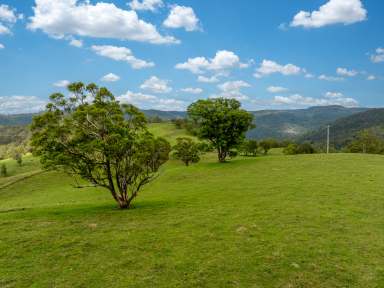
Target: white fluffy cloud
(76, 43)
(8, 17)
(333, 95)
(4, 29)
(276, 89)
(346, 72)
(330, 78)
(333, 12)
(378, 56)
(145, 101)
(61, 83)
(150, 5)
(110, 77)
(212, 79)
(121, 54)
(298, 101)
(371, 77)
(182, 17)
(232, 89)
(20, 104)
(156, 85)
(268, 67)
(102, 20)
(2, 46)
(192, 90)
(223, 61)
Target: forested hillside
(343, 130)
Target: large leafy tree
(91, 135)
(222, 122)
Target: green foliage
(303, 148)
(155, 119)
(249, 148)
(19, 158)
(187, 150)
(3, 170)
(367, 141)
(103, 142)
(266, 145)
(222, 122)
(344, 130)
(13, 134)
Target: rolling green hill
(167, 131)
(343, 130)
(240, 224)
(269, 221)
(291, 124)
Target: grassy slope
(281, 221)
(167, 131)
(30, 166)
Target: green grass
(30, 166)
(278, 221)
(167, 131)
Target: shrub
(187, 150)
(293, 149)
(249, 148)
(3, 170)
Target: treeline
(14, 140)
(370, 141)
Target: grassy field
(167, 131)
(274, 221)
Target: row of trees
(90, 134)
(367, 141)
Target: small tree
(187, 150)
(99, 140)
(249, 148)
(19, 159)
(367, 141)
(3, 170)
(266, 145)
(290, 149)
(222, 122)
(304, 148)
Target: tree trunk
(124, 205)
(221, 155)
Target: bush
(366, 141)
(294, 149)
(249, 148)
(187, 150)
(19, 159)
(3, 170)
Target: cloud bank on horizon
(164, 55)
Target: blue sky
(162, 54)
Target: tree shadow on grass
(149, 207)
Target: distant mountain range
(299, 124)
(291, 124)
(25, 119)
(345, 129)
(16, 119)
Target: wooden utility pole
(328, 138)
